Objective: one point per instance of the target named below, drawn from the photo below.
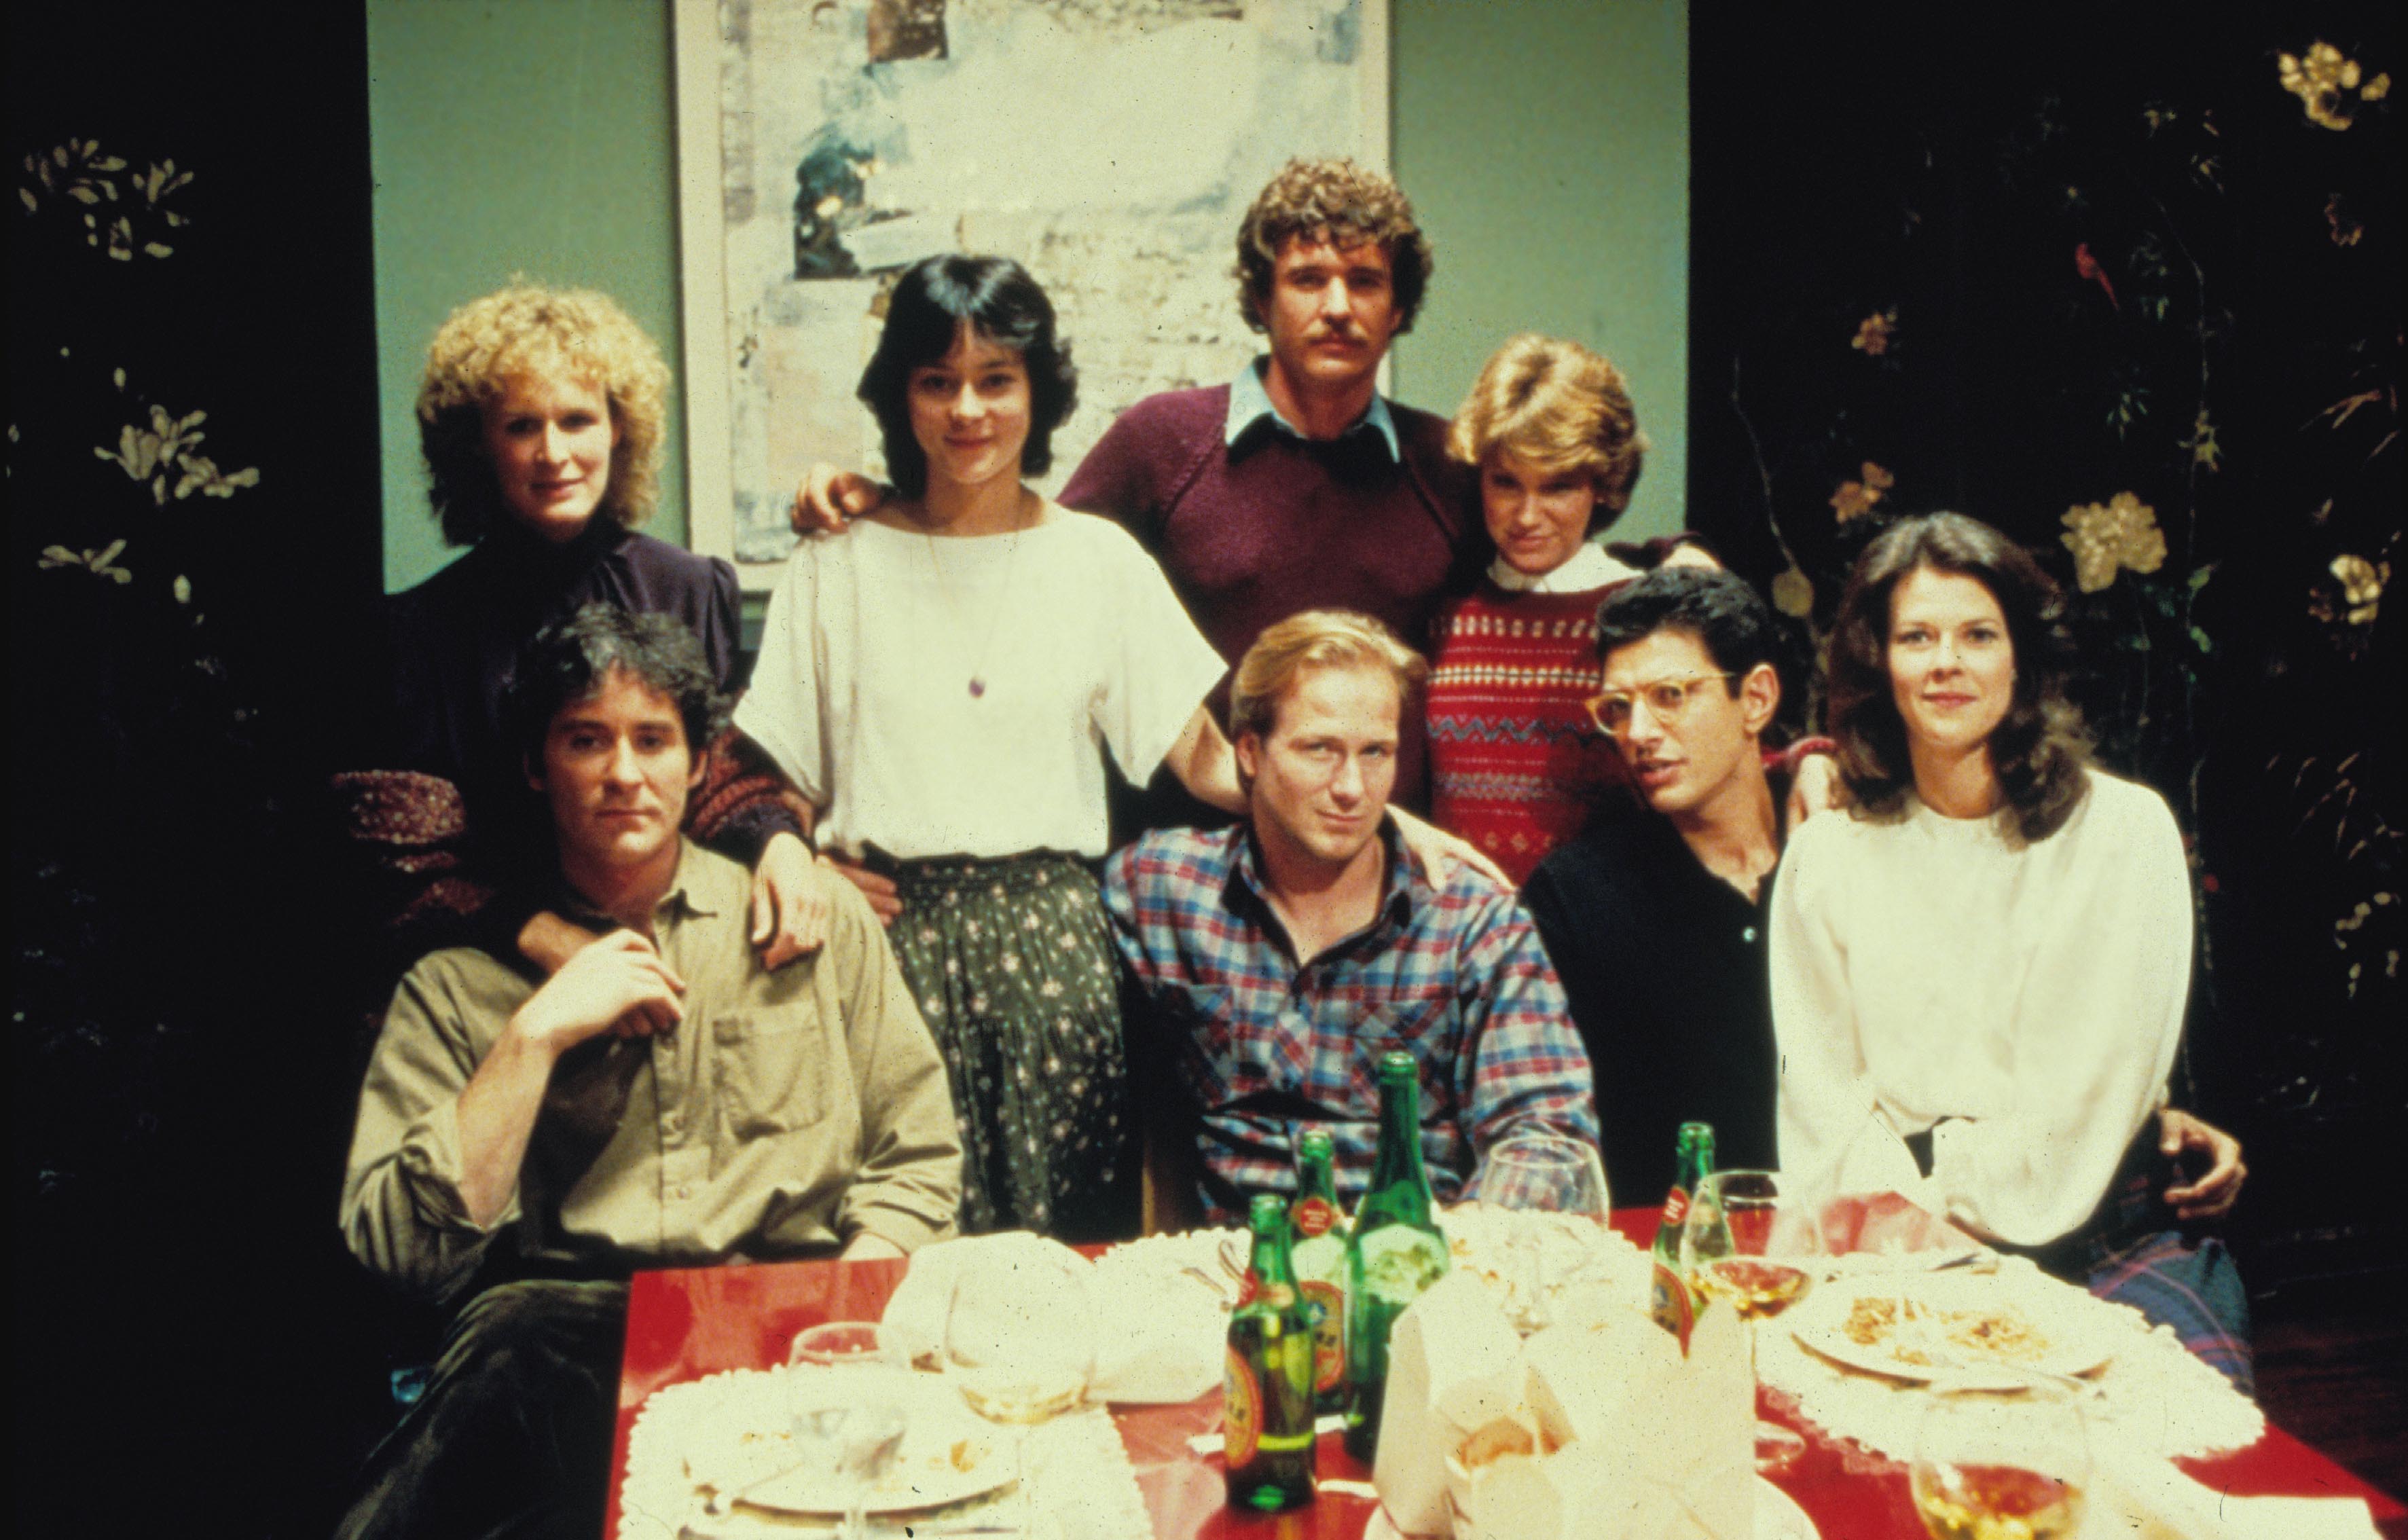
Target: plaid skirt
(2135, 1251)
(1011, 961)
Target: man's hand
(1816, 788)
(1440, 852)
(831, 498)
(620, 983)
(885, 899)
(2210, 1196)
(865, 1247)
(791, 899)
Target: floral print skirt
(1012, 964)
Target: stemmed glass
(1752, 1242)
(844, 1407)
(1022, 1348)
(1554, 1188)
(2005, 1463)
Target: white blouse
(2033, 994)
(863, 693)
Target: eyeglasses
(1666, 699)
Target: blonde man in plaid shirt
(1279, 959)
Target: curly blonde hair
(1559, 406)
(1310, 639)
(1335, 200)
(531, 332)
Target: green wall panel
(514, 136)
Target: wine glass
(1751, 1242)
(1553, 1191)
(2010, 1464)
(848, 1345)
(1021, 1348)
(851, 1444)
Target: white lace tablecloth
(1079, 1474)
(2155, 1398)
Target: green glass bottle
(1395, 1253)
(1668, 1298)
(1321, 1264)
(1266, 1388)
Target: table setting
(1909, 1380)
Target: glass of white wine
(1020, 1346)
(1993, 1464)
(1752, 1243)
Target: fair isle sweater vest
(1516, 766)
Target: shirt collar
(1589, 568)
(688, 895)
(1400, 880)
(1250, 403)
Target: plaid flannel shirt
(1267, 1048)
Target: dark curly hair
(1001, 303)
(1721, 610)
(569, 660)
(2038, 750)
(1344, 204)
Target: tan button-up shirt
(788, 1112)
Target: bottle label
(1314, 1215)
(1399, 1262)
(1329, 1302)
(1241, 1411)
(1676, 1211)
(1669, 1302)
(1250, 1289)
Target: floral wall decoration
(2135, 300)
(125, 509)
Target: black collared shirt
(1664, 966)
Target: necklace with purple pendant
(1029, 503)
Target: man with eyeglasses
(1657, 924)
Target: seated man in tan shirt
(662, 1100)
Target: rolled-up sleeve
(402, 1211)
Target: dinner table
(684, 1323)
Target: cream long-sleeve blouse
(1930, 968)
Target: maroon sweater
(1251, 533)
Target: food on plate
(1908, 1331)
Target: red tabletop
(683, 1324)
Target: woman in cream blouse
(1979, 977)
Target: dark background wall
(2019, 261)
(181, 1348)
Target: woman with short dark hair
(1979, 977)
(938, 681)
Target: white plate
(1819, 1323)
(948, 1456)
(1778, 1516)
